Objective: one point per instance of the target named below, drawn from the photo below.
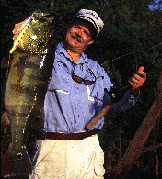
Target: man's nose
(79, 32)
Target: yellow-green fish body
(26, 87)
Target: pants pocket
(99, 162)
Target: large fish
(33, 54)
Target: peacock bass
(33, 54)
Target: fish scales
(26, 87)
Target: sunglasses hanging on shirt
(78, 79)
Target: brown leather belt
(66, 136)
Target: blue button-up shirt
(68, 105)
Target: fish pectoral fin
(4, 121)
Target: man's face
(79, 36)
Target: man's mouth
(76, 38)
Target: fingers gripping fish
(33, 52)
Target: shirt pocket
(61, 78)
(62, 69)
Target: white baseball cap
(92, 17)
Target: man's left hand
(137, 81)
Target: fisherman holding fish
(74, 104)
(75, 95)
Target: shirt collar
(60, 50)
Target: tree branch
(150, 148)
(136, 146)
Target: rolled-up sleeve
(124, 104)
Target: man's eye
(77, 27)
(87, 34)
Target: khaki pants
(68, 159)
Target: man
(74, 96)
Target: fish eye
(19, 156)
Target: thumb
(141, 69)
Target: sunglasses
(78, 79)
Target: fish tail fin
(16, 163)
